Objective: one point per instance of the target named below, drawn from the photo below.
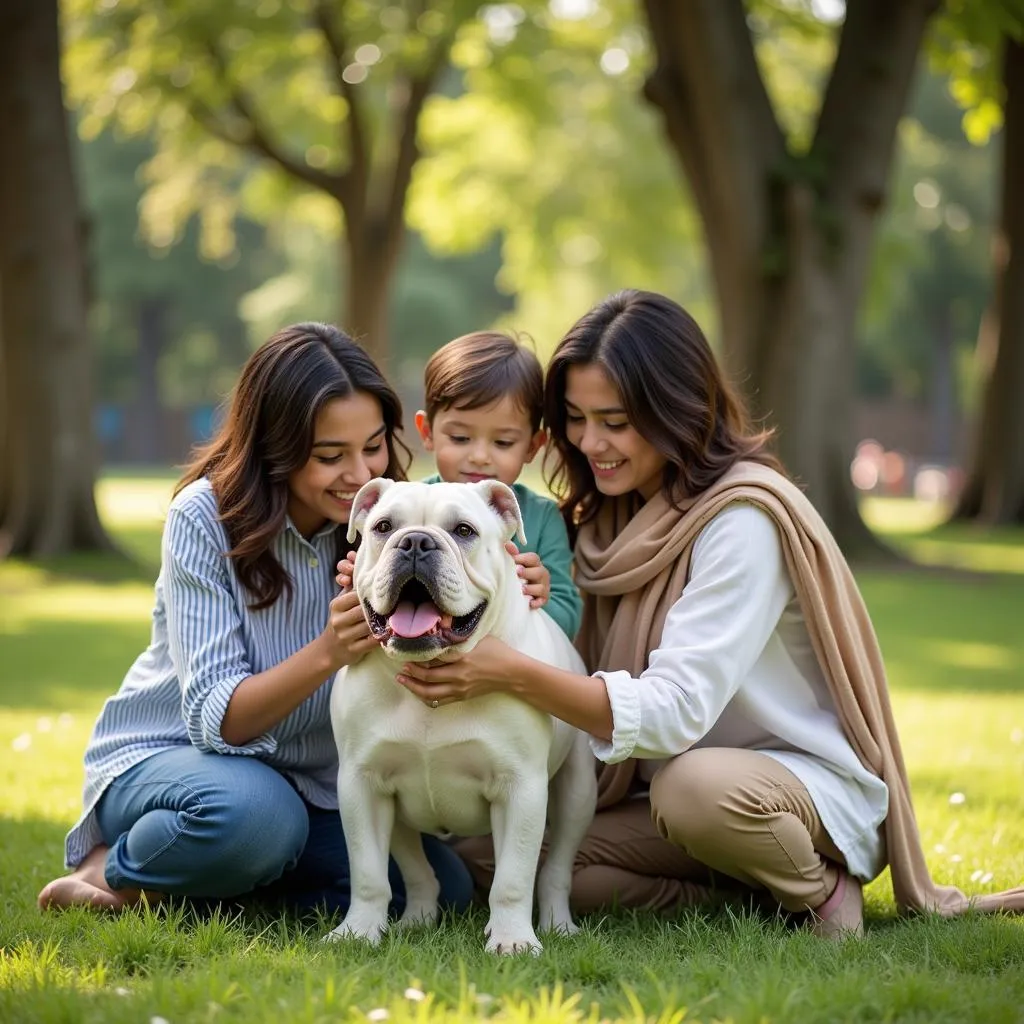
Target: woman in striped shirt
(212, 771)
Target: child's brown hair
(484, 367)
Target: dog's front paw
(510, 941)
(354, 926)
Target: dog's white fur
(492, 764)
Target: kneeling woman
(212, 772)
(740, 700)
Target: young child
(484, 401)
(484, 395)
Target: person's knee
(687, 801)
(253, 838)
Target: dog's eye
(464, 530)
(382, 526)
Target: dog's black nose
(417, 543)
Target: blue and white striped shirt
(205, 641)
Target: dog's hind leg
(367, 817)
(517, 824)
(421, 885)
(573, 795)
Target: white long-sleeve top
(735, 668)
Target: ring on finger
(434, 703)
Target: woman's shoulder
(197, 502)
(741, 526)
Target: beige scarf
(632, 568)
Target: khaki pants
(718, 822)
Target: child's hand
(536, 579)
(345, 567)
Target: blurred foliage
(965, 45)
(205, 339)
(217, 311)
(215, 84)
(544, 170)
(551, 148)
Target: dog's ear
(366, 497)
(503, 503)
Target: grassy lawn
(955, 650)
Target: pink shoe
(841, 916)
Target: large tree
(47, 463)
(789, 227)
(263, 103)
(994, 492)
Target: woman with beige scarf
(738, 699)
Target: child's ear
(536, 443)
(423, 427)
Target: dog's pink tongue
(411, 620)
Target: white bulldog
(434, 577)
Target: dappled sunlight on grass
(965, 654)
(919, 529)
(126, 501)
(41, 762)
(941, 633)
(965, 757)
(902, 515)
(76, 602)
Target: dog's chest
(445, 767)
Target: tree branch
(359, 167)
(418, 88)
(254, 135)
(866, 96)
(718, 116)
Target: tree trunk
(789, 236)
(48, 503)
(369, 262)
(994, 492)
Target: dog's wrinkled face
(432, 566)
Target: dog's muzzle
(416, 618)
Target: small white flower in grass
(986, 878)
(976, 875)
(484, 999)
(1017, 736)
(415, 995)
(379, 1013)
(940, 847)
(44, 724)
(956, 858)
(957, 798)
(22, 742)
(159, 1020)
(121, 991)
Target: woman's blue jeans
(214, 826)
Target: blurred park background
(832, 189)
(836, 192)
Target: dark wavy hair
(267, 434)
(673, 393)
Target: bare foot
(86, 886)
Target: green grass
(955, 651)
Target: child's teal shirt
(545, 535)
